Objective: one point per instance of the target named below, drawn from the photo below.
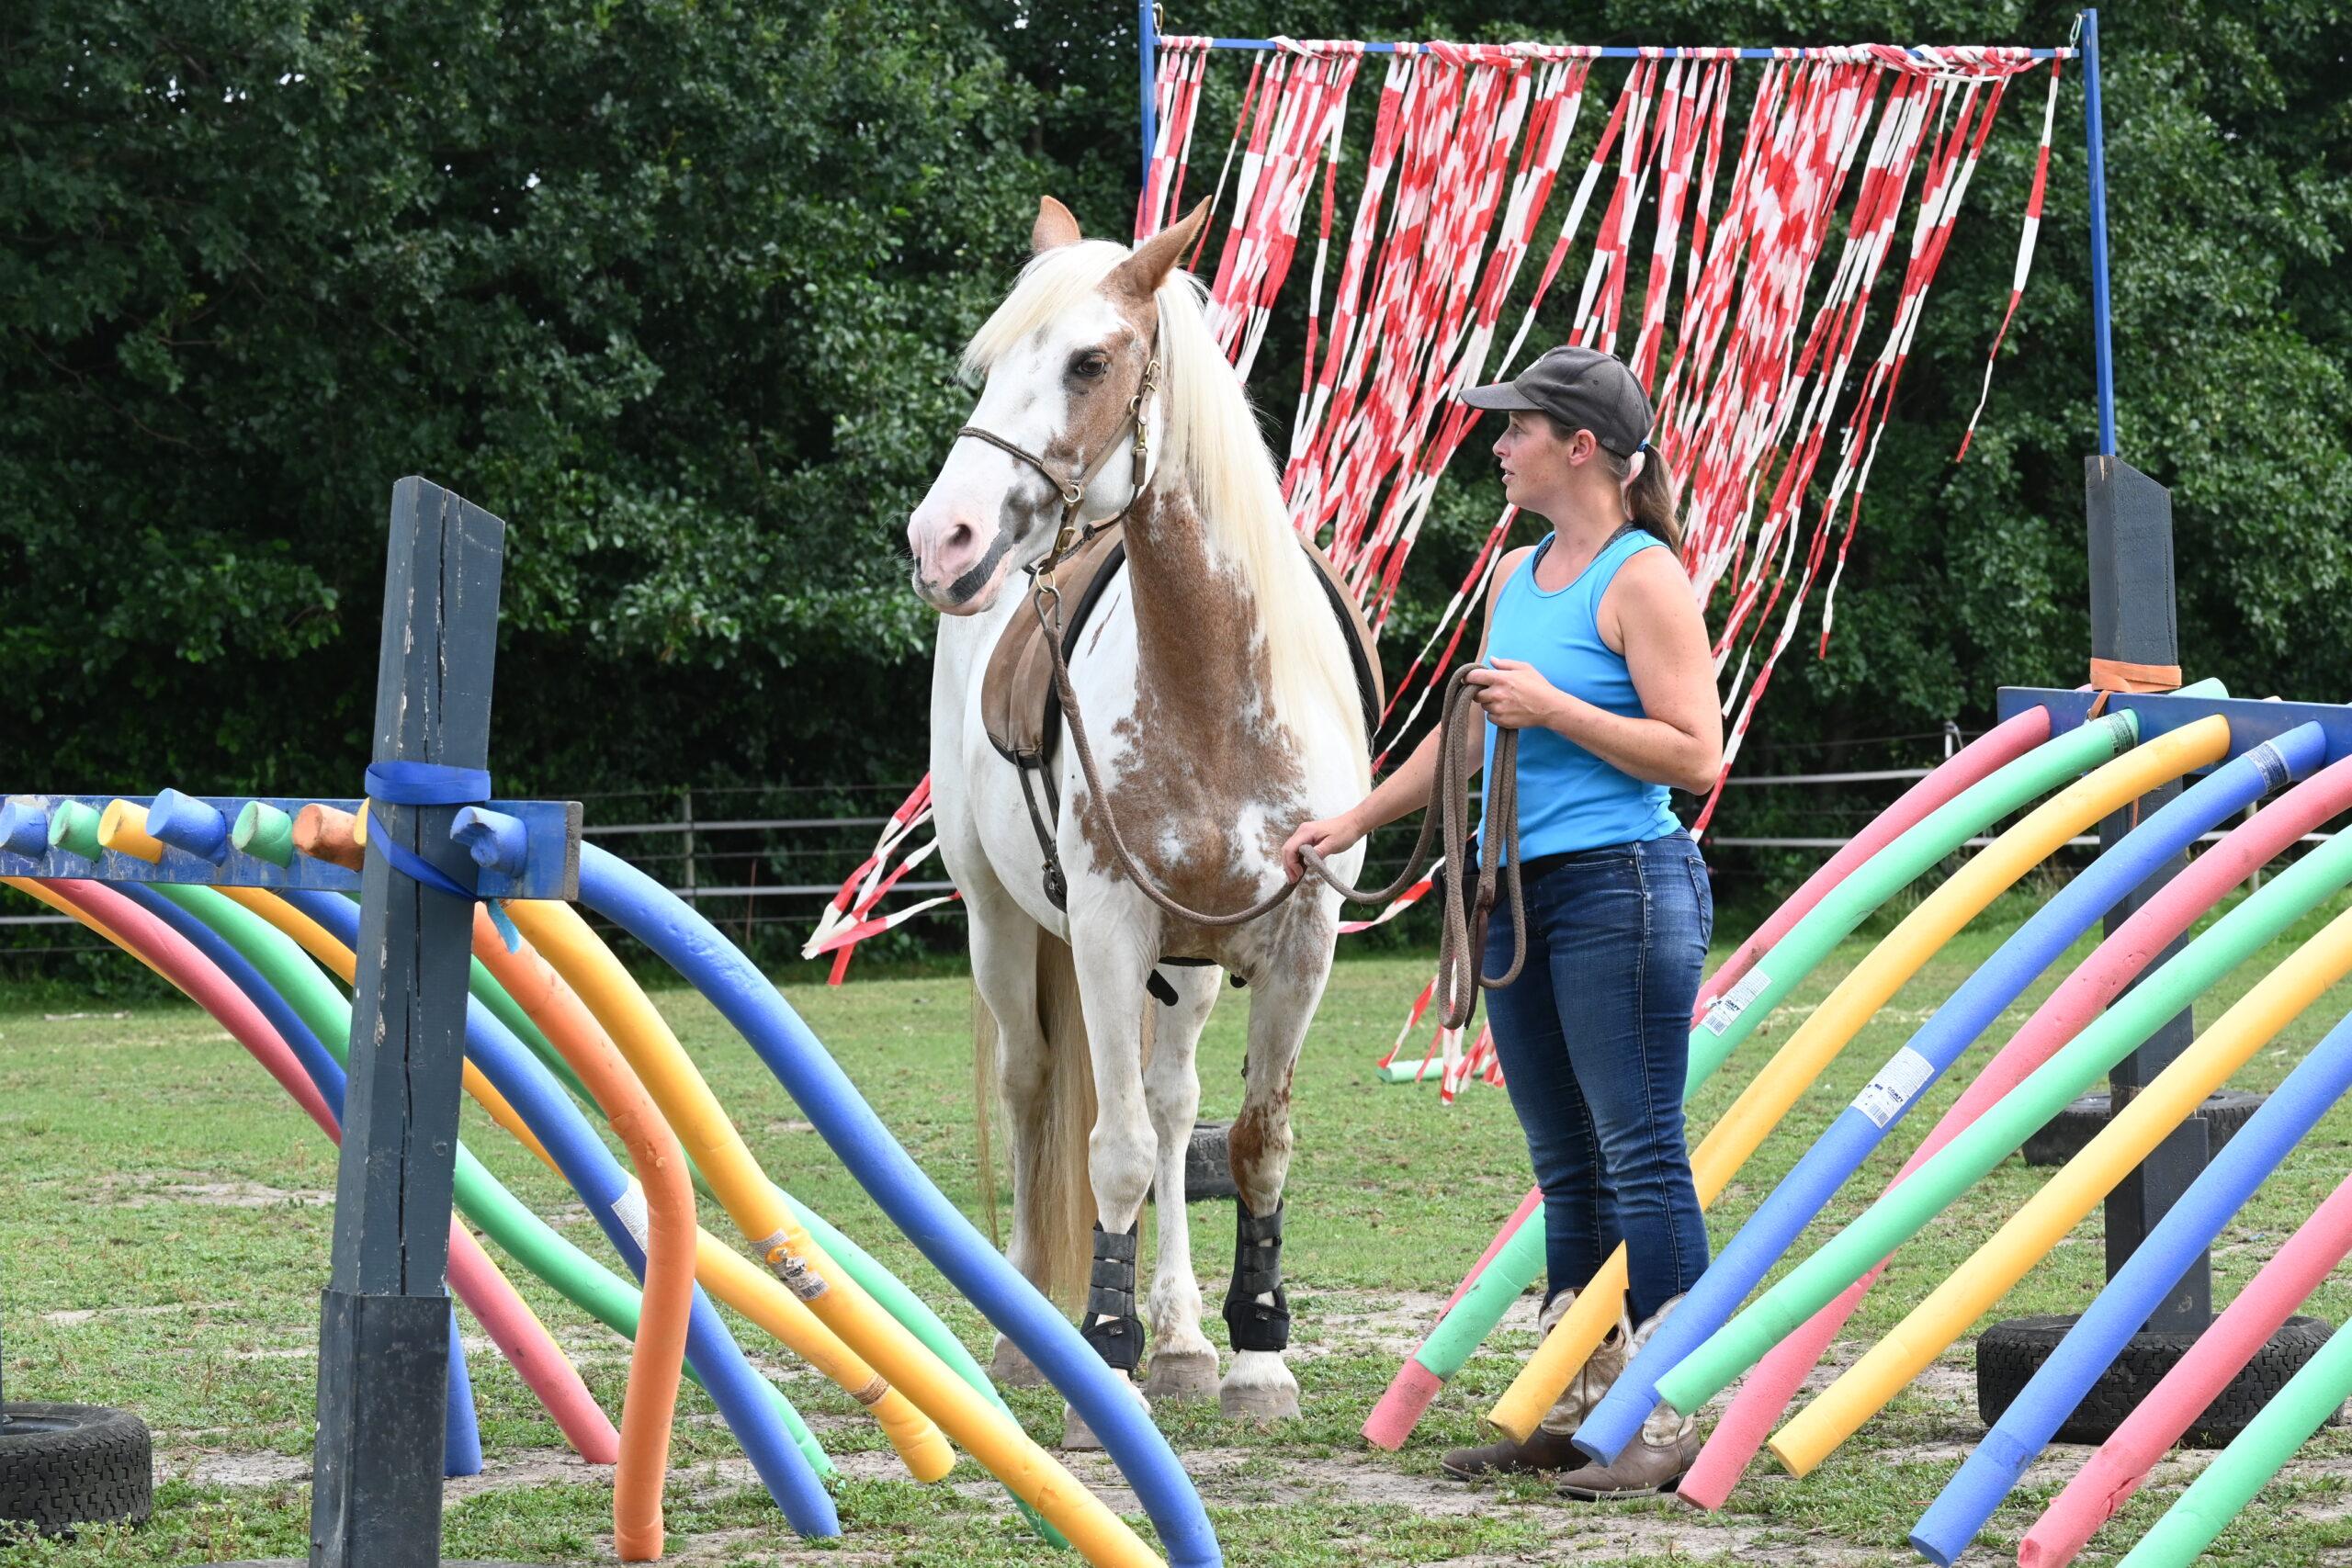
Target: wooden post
(384, 1329)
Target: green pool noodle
(2224, 1487)
(1902, 1212)
(2053, 762)
(265, 832)
(74, 826)
(878, 1281)
(483, 1199)
(1791, 960)
(1463, 1330)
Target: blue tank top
(1568, 799)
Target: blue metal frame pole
(2102, 335)
(1147, 39)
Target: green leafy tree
(677, 288)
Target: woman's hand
(1515, 695)
(1328, 837)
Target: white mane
(1211, 443)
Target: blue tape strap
(426, 784)
(411, 864)
(431, 784)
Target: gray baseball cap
(1584, 389)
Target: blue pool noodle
(461, 1436)
(1777, 1221)
(2254, 1151)
(689, 943)
(746, 1400)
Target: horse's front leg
(1183, 1363)
(1004, 944)
(1257, 1310)
(1113, 968)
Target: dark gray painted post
(2132, 619)
(384, 1331)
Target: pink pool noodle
(504, 1315)
(1765, 1393)
(1971, 765)
(524, 1340)
(2115, 1471)
(184, 966)
(1414, 1386)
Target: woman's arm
(1407, 789)
(1658, 628)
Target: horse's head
(1065, 357)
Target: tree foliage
(675, 286)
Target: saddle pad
(1018, 706)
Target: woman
(1596, 652)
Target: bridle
(1072, 537)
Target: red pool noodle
(2102, 1486)
(504, 1315)
(1971, 765)
(1765, 1394)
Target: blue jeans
(1594, 1039)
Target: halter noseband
(1072, 537)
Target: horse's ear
(1139, 276)
(1054, 227)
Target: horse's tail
(1056, 1251)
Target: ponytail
(1650, 497)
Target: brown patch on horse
(1251, 1145)
(1202, 744)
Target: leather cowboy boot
(1653, 1462)
(1547, 1448)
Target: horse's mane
(1213, 444)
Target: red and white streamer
(1763, 271)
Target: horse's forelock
(1055, 283)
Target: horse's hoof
(1010, 1368)
(1078, 1436)
(1182, 1375)
(1262, 1402)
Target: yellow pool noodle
(918, 1443)
(1973, 1287)
(565, 941)
(1856, 1000)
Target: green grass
(165, 1234)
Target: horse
(1217, 687)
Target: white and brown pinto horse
(1216, 685)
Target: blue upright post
(1147, 41)
(2102, 320)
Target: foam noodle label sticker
(1905, 1074)
(629, 1209)
(1734, 1002)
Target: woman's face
(1539, 467)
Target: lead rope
(1460, 974)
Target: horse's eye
(1093, 365)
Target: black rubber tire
(1208, 1164)
(2010, 1353)
(63, 1465)
(2223, 1113)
